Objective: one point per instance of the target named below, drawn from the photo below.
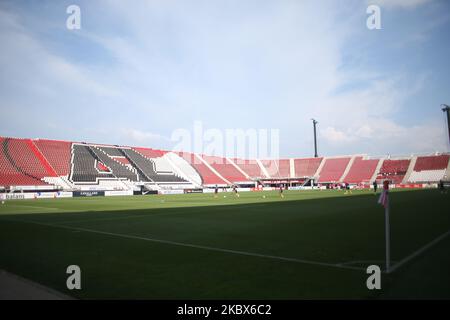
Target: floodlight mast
(446, 108)
(315, 137)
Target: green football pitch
(311, 244)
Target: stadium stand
(148, 169)
(225, 168)
(208, 176)
(102, 167)
(361, 170)
(277, 168)
(111, 151)
(306, 167)
(117, 169)
(57, 153)
(393, 170)
(27, 158)
(333, 169)
(429, 169)
(183, 168)
(67, 165)
(85, 165)
(18, 164)
(438, 162)
(250, 167)
(48, 168)
(123, 160)
(150, 153)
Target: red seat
(393, 170)
(208, 176)
(277, 168)
(333, 169)
(361, 170)
(250, 167)
(57, 153)
(432, 162)
(225, 168)
(306, 167)
(19, 165)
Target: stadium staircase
(394, 170)
(333, 169)
(225, 168)
(51, 172)
(239, 169)
(412, 164)
(271, 168)
(347, 169)
(319, 169)
(377, 171)
(210, 167)
(208, 177)
(447, 173)
(263, 168)
(183, 169)
(361, 171)
(57, 153)
(251, 168)
(292, 168)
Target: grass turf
(199, 247)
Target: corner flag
(384, 196)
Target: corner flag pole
(384, 201)
(388, 237)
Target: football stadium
(174, 221)
(96, 202)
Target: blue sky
(139, 70)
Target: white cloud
(384, 136)
(143, 137)
(405, 4)
(336, 136)
(37, 68)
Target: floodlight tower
(315, 137)
(446, 108)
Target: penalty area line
(195, 246)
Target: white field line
(419, 251)
(189, 245)
(362, 262)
